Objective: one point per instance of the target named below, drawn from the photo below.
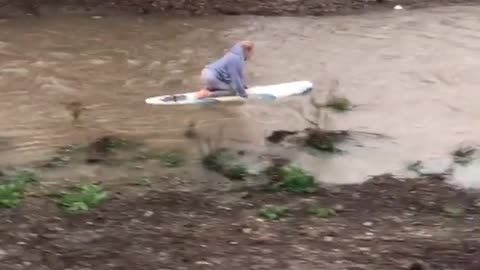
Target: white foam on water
(50, 83)
(43, 64)
(134, 62)
(15, 71)
(97, 62)
(61, 55)
(3, 44)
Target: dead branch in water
(191, 132)
(278, 136)
(75, 108)
(317, 114)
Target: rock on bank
(205, 7)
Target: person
(225, 76)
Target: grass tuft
(339, 104)
(172, 159)
(82, 198)
(295, 180)
(272, 212)
(322, 212)
(13, 187)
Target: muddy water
(413, 73)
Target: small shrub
(322, 212)
(464, 154)
(83, 198)
(172, 159)
(272, 212)
(236, 172)
(143, 181)
(112, 143)
(294, 179)
(340, 104)
(10, 195)
(57, 161)
(415, 166)
(64, 155)
(325, 140)
(23, 178)
(326, 145)
(223, 162)
(216, 160)
(13, 187)
(108, 144)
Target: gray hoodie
(229, 69)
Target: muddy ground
(205, 7)
(176, 222)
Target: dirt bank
(148, 216)
(204, 7)
(164, 221)
(383, 224)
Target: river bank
(208, 7)
(116, 204)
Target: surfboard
(266, 92)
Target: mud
(157, 217)
(384, 223)
(316, 138)
(205, 7)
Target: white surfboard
(267, 92)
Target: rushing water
(413, 73)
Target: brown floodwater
(414, 75)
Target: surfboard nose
(307, 87)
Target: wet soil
(385, 223)
(205, 7)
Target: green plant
(236, 172)
(326, 145)
(322, 212)
(143, 181)
(22, 178)
(453, 211)
(216, 160)
(57, 161)
(10, 195)
(82, 198)
(172, 159)
(64, 155)
(338, 103)
(13, 187)
(294, 179)
(108, 144)
(325, 140)
(223, 162)
(272, 212)
(115, 143)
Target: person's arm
(238, 84)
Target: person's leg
(212, 87)
(222, 93)
(204, 78)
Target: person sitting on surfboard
(225, 76)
